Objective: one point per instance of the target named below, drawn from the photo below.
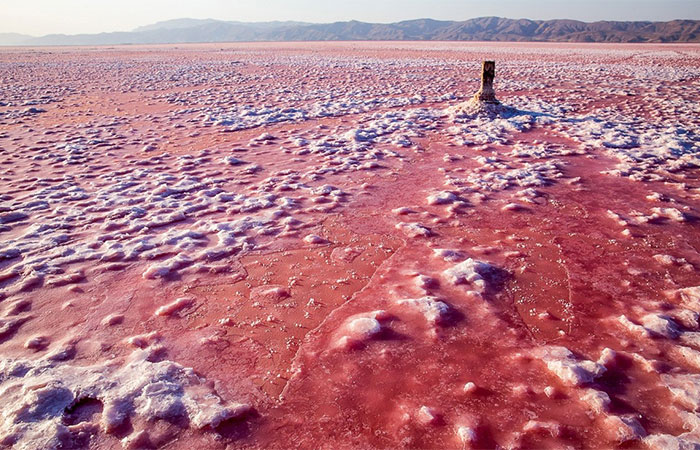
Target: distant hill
(480, 29)
(175, 24)
(178, 24)
(14, 38)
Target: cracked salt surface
(331, 239)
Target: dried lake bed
(311, 245)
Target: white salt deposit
(40, 393)
(363, 327)
(466, 434)
(661, 325)
(598, 401)
(448, 254)
(686, 441)
(471, 272)
(435, 311)
(442, 198)
(413, 229)
(624, 428)
(690, 297)
(359, 329)
(314, 239)
(537, 426)
(427, 415)
(175, 306)
(112, 319)
(633, 327)
(569, 369)
(469, 387)
(685, 389)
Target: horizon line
(340, 21)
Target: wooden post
(486, 93)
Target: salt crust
(38, 394)
(569, 369)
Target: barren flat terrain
(316, 245)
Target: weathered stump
(486, 93)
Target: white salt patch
(414, 229)
(617, 218)
(686, 441)
(466, 434)
(661, 325)
(624, 428)
(656, 197)
(326, 190)
(688, 355)
(264, 138)
(668, 260)
(685, 389)
(314, 239)
(40, 393)
(363, 327)
(514, 207)
(435, 311)
(633, 327)
(691, 297)
(598, 401)
(358, 329)
(562, 363)
(687, 318)
(175, 306)
(18, 307)
(144, 340)
(670, 213)
(607, 357)
(536, 426)
(691, 339)
(233, 161)
(469, 388)
(470, 272)
(402, 211)
(442, 198)
(276, 292)
(112, 319)
(37, 343)
(528, 195)
(427, 415)
(448, 254)
(521, 389)
(12, 324)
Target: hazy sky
(38, 17)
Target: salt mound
(685, 389)
(471, 272)
(668, 442)
(442, 198)
(624, 428)
(562, 363)
(359, 329)
(38, 394)
(435, 311)
(690, 297)
(474, 108)
(174, 307)
(414, 229)
(448, 254)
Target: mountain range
(479, 29)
